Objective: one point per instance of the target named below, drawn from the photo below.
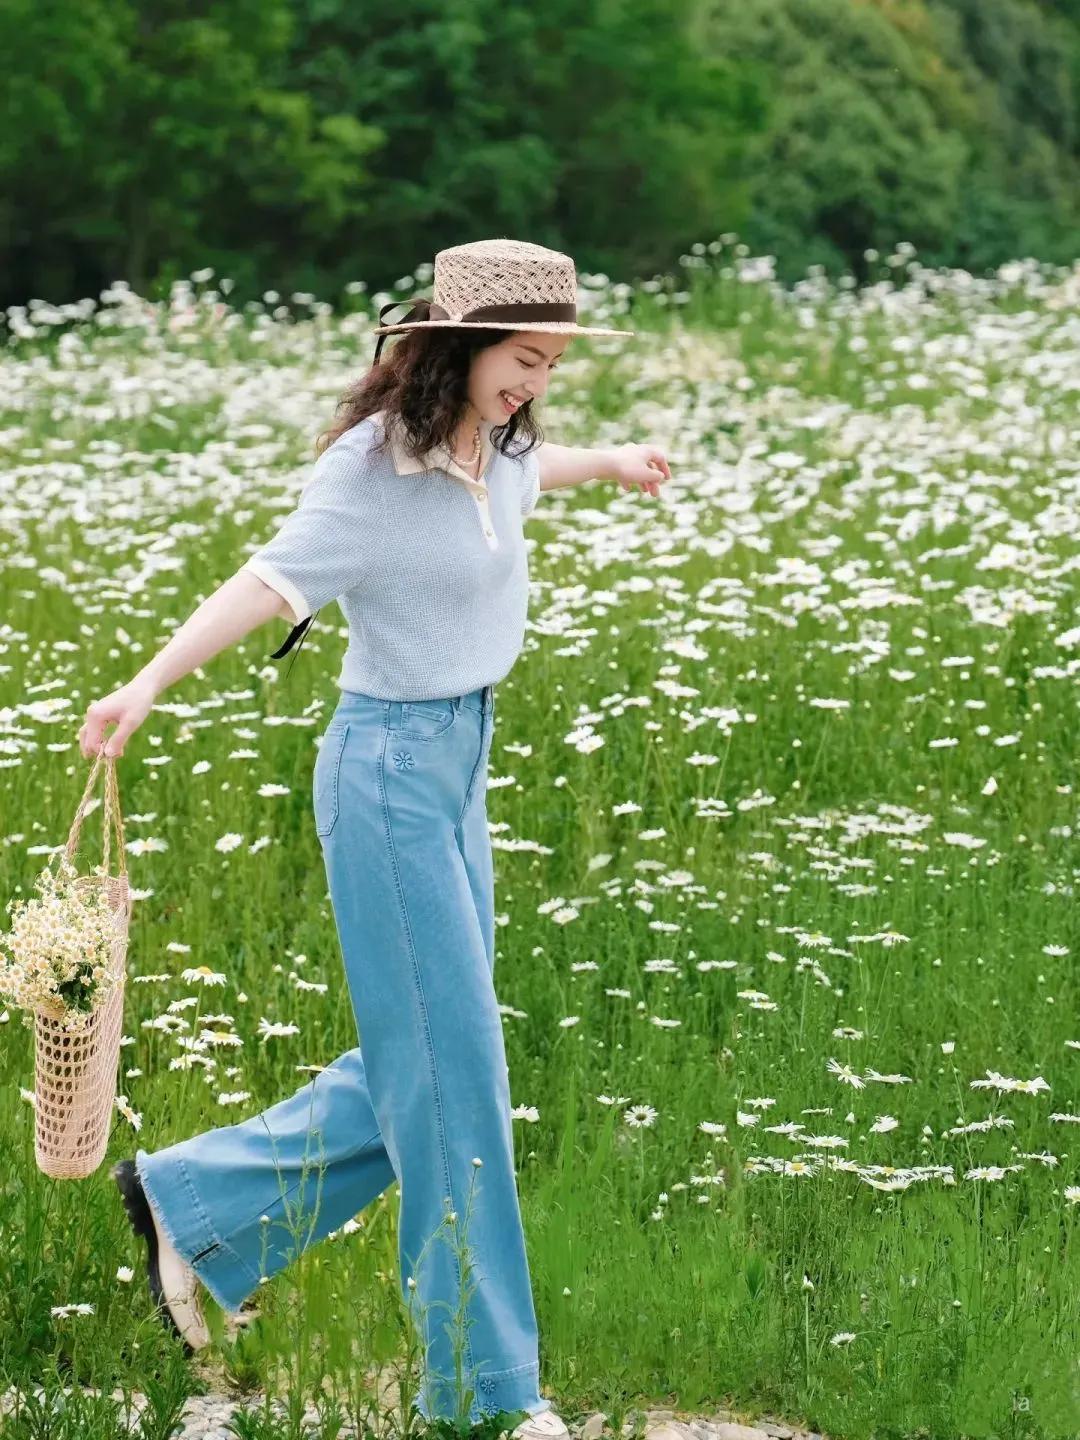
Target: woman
(412, 520)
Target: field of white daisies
(783, 797)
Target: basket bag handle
(110, 811)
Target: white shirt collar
(436, 458)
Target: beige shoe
(545, 1426)
(174, 1285)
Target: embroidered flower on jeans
(488, 1385)
(404, 760)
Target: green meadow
(784, 803)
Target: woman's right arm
(236, 607)
(332, 538)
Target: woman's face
(519, 365)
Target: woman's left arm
(643, 466)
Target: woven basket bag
(75, 1071)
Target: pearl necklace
(472, 459)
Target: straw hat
(497, 284)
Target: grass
(783, 801)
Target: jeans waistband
(481, 700)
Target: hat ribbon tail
(422, 309)
(296, 637)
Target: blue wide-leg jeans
(399, 790)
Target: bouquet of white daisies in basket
(64, 963)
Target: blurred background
(301, 143)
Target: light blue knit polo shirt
(428, 565)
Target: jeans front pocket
(423, 719)
(326, 787)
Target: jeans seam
(475, 772)
(219, 1240)
(334, 783)
(513, 1370)
(203, 1265)
(282, 1196)
(380, 781)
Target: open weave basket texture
(75, 1071)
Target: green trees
(143, 139)
(951, 124)
(300, 144)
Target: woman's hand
(128, 707)
(641, 465)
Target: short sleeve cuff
(273, 577)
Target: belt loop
(394, 716)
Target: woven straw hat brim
(551, 328)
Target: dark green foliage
(950, 124)
(301, 144)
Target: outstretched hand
(641, 466)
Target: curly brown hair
(422, 381)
